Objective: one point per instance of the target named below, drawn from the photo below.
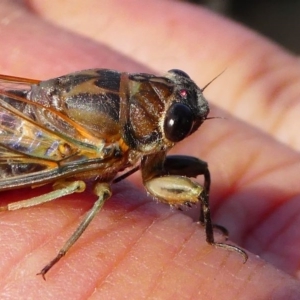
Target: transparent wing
(55, 137)
(29, 151)
(13, 83)
(39, 144)
(20, 134)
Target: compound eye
(178, 122)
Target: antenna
(212, 80)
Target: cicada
(93, 124)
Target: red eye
(183, 93)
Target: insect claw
(42, 274)
(233, 248)
(223, 230)
(45, 270)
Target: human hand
(135, 247)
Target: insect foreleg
(102, 190)
(169, 182)
(190, 166)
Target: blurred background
(276, 19)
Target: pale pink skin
(136, 248)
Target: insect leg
(102, 190)
(192, 167)
(125, 175)
(167, 179)
(61, 189)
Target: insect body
(92, 124)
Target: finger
(237, 167)
(133, 249)
(33, 48)
(233, 170)
(260, 84)
(181, 223)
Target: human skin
(136, 247)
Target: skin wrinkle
(121, 258)
(285, 113)
(251, 161)
(32, 250)
(253, 233)
(243, 172)
(256, 72)
(266, 70)
(128, 250)
(118, 262)
(105, 279)
(255, 270)
(250, 233)
(242, 52)
(280, 71)
(258, 176)
(272, 209)
(63, 39)
(249, 79)
(280, 111)
(235, 182)
(214, 144)
(162, 271)
(234, 293)
(204, 280)
(243, 285)
(165, 274)
(272, 238)
(220, 267)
